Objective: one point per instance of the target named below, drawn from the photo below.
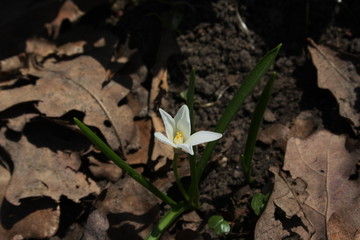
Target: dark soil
(211, 40)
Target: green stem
(122, 164)
(194, 186)
(166, 221)
(256, 120)
(177, 177)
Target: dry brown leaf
(141, 156)
(41, 172)
(4, 181)
(130, 207)
(33, 219)
(284, 207)
(77, 85)
(72, 48)
(68, 11)
(325, 168)
(159, 87)
(303, 126)
(337, 73)
(277, 134)
(12, 64)
(105, 170)
(40, 46)
(39, 220)
(340, 229)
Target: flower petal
(169, 123)
(182, 121)
(203, 137)
(164, 139)
(185, 147)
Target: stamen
(179, 138)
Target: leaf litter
(45, 68)
(58, 83)
(317, 186)
(337, 72)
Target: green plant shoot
(260, 108)
(180, 135)
(241, 94)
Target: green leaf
(258, 202)
(219, 225)
(122, 164)
(256, 120)
(242, 93)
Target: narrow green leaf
(257, 118)
(244, 91)
(122, 164)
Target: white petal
(187, 148)
(203, 137)
(164, 139)
(182, 121)
(169, 123)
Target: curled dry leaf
(330, 190)
(337, 73)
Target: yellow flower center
(179, 138)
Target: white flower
(178, 131)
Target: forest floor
(113, 64)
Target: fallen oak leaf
(325, 164)
(42, 172)
(338, 74)
(130, 208)
(33, 219)
(77, 85)
(105, 170)
(283, 207)
(305, 124)
(325, 168)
